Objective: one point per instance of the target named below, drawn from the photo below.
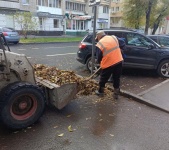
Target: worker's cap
(100, 34)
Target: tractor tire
(21, 105)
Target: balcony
(116, 14)
(10, 4)
(105, 2)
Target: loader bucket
(58, 96)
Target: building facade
(116, 13)
(7, 9)
(72, 17)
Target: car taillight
(5, 34)
(82, 46)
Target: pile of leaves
(60, 77)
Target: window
(117, 9)
(137, 40)
(56, 23)
(43, 3)
(105, 9)
(89, 38)
(68, 24)
(41, 23)
(46, 3)
(50, 3)
(75, 6)
(25, 1)
(39, 2)
(164, 41)
(53, 3)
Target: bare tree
(27, 22)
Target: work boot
(116, 93)
(100, 92)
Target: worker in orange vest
(110, 58)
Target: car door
(139, 52)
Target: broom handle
(94, 73)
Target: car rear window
(8, 30)
(88, 38)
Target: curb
(48, 43)
(141, 100)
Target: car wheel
(89, 65)
(16, 42)
(163, 69)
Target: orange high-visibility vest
(111, 52)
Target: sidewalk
(156, 97)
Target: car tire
(21, 105)
(89, 65)
(16, 42)
(163, 69)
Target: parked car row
(141, 52)
(10, 34)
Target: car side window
(137, 40)
(164, 41)
(154, 39)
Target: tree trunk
(148, 12)
(156, 24)
(155, 27)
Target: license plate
(13, 34)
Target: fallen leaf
(69, 116)
(16, 132)
(70, 128)
(111, 115)
(88, 118)
(60, 135)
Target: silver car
(10, 34)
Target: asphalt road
(98, 124)
(63, 56)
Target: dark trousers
(116, 71)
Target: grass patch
(50, 39)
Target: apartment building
(103, 17)
(72, 17)
(7, 9)
(76, 17)
(116, 13)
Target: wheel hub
(165, 69)
(22, 105)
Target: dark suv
(141, 52)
